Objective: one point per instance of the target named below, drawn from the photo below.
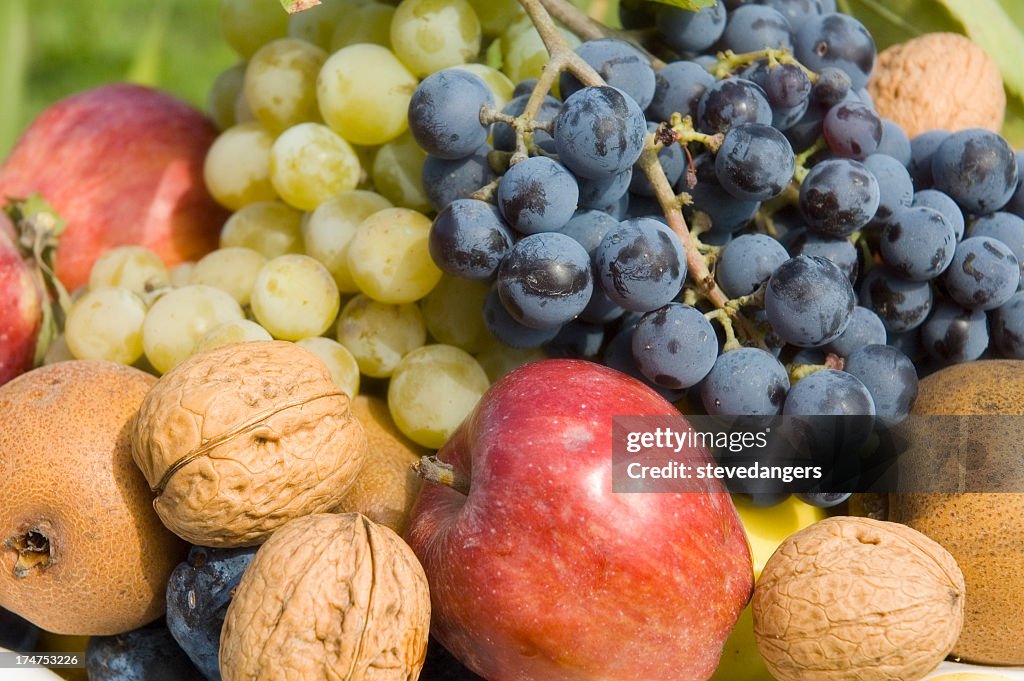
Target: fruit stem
(800, 169)
(729, 61)
(432, 469)
(684, 133)
(589, 29)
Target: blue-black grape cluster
(872, 257)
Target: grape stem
(800, 169)
(588, 29)
(729, 61)
(684, 133)
(562, 57)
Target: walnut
(328, 597)
(857, 599)
(939, 81)
(239, 440)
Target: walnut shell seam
(243, 428)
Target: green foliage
(996, 25)
(73, 46)
(692, 5)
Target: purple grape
(933, 198)
(537, 194)
(688, 31)
(894, 142)
(675, 346)
(641, 264)
(599, 132)
(836, 40)
(746, 262)
(977, 168)
(838, 197)
(918, 243)
(504, 137)
(507, 330)
(901, 305)
(829, 392)
(621, 66)
(1008, 327)
(865, 328)
(756, 27)
(895, 188)
(922, 149)
(808, 301)
(444, 113)
(889, 377)
(852, 130)
(840, 251)
(444, 180)
(468, 239)
(755, 162)
(731, 102)
(546, 280)
(984, 273)
(745, 382)
(678, 88)
(952, 334)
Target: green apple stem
(432, 469)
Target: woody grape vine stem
(563, 58)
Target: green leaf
(988, 24)
(692, 5)
(146, 62)
(293, 6)
(14, 50)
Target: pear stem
(432, 469)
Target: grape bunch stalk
(731, 221)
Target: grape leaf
(293, 6)
(692, 5)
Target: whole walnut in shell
(328, 597)
(239, 440)
(938, 81)
(858, 599)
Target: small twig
(729, 61)
(588, 29)
(725, 320)
(682, 127)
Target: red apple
(121, 164)
(540, 572)
(21, 307)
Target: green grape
(248, 24)
(181, 274)
(453, 313)
(525, 55)
(58, 351)
(317, 24)
(237, 331)
(433, 390)
(496, 81)
(280, 83)
(106, 323)
(397, 173)
(223, 94)
(328, 230)
(135, 268)
(294, 296)
(430, 35)
(389, 257)
(179, 318)
(233, 270)
(496, 15)
(243, 112)
(379, 334)
(237, 166)
(498, 359)
(367, 23)
(309, 163)
(340, 362)
(270, 228)
(364, 94)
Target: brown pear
(82, 552)
(983, 530)
(386, 488)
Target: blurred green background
(52, 48)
